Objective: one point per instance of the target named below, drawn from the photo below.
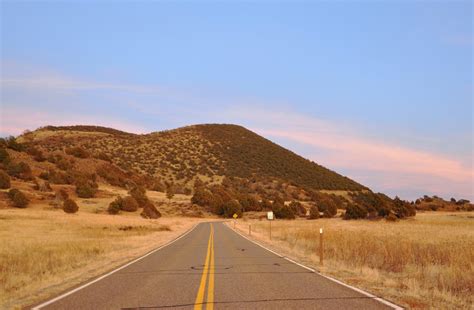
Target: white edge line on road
(381, 300)
(111, 272)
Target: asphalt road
(214, 267)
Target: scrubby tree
(150, 211)
(314, 212)
(18, 198)
(86, 189)
(282, 211)
(139, 194)
(170, 192)
(297, 208)
(21, 170)
(36, 153)
(129, 204)
(115, 206)
(11, 143)
(70, 206)
(231, 207)
(4, 156)
(355, 211)
(328, 207)
(77, 152)
(202, 197)
(4, 180)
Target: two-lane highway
(213, 267)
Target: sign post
(270, 218)
(321, 250)
(235, 217)
(250, 230)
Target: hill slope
(209, 152)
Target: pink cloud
(382, 166)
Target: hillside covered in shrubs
(183, 155)
(223, 169)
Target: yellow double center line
(207, 270)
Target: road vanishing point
(210, 267)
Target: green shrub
(13, 144)
(86, 189)
(297, 208)
(18, 199)
(70, 206)
(139, 194)
(354, 211)
(4, 156)
(402, 208)
(115, 206)
(314, 212)
(77, 152)
(282, 211)
(36, 153)
(129, 204)
(4, 180)
(231, 207)
(328, 207)
(202, 197)
(249, 203)
(63, 164)
(21, 170)
(150, 211)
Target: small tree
(4, 156)
(86, 189)
(129, 204)
(139, 194)
(21, 170)
(115, 206)
(170, 193)
(4, 180)
(150, 211)
(18, 199)
(313, 212)
(354, 211)
(297, 208)
(70, 206)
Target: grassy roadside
(425, 262)
(43, 252)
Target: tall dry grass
(425, 262)
(43, 252)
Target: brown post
(321, 250)
(270, 230)
(250, 230)
(234, 224)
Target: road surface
(214, 267)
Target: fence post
(321, 249)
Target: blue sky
(380, 91)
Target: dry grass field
(423, 262)
(45, 251)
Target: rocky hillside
(181, 156)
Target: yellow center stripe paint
(210, 288)
(209, 265)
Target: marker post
(321, 250)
